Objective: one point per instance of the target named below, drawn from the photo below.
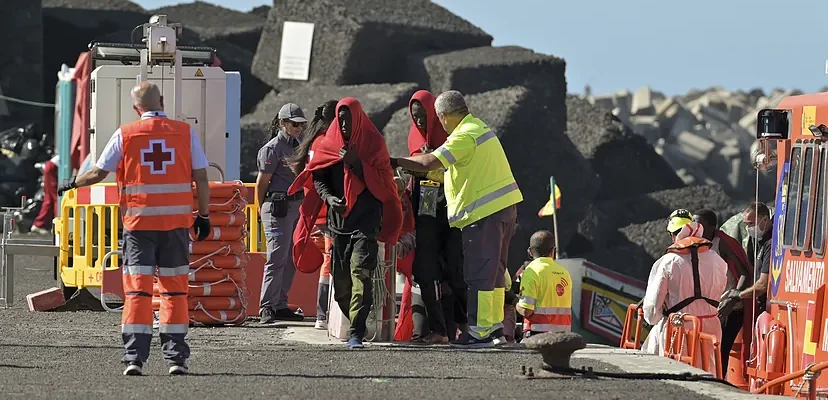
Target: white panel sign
(294, 60)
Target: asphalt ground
(76, 354)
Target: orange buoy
(215, 275)
(232, 204)
(226, 190)
(218, 248)
(215, 303)
(221, 289)
(217, 317)
(230, 262)
(228, 218)
(224, 233)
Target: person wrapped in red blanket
(405, 257)
(351, 174)
(438, 267)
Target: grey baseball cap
(292, 112)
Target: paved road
(73, 355)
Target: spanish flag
(554, 200)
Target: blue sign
(777, 252)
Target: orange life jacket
(155, 175)
(691, 245)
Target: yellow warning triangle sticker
(199, 73)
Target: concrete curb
(634, 361)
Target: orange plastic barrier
(691, 346)
(634, 313)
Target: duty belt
(296, 196)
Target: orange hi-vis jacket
(155, 175)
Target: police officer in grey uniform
(279, 212)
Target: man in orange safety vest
(156, 159)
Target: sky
(673, 46)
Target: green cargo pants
(353, 258)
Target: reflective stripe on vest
(155, 175)
(483, 185)
(552, 284)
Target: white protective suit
(671, 281)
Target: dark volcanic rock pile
(21, 68)
(363, 41)
(616, 189)
(626, 164)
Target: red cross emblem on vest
(157, 156)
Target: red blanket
(321, 218)
(734, 255)
(370, 147)
(434, 135)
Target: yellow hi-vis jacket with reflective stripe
(478, 177)
(546, 289)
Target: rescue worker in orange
(686, 279)
(155, 159)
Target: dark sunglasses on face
(296, 124)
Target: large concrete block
(261, 11)
(625, 162)
(379, 101)
(21, 68)
(214, 22)
(629, 259)
(651, 236)
(605, 218)
(362, 42)
(642, 102)
(396, 133)
(532, 135)
(694, 146)
(483, 69)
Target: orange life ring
(203, 289)
(223, 233)
(214, 275)
(228, 218)
(225, 262)
(226, 190)
(215, 303)
(218, 248)
(225, 205)
(217, 317)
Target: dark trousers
(438, 270)
(143, 252)
(730, 330)
(353, 258)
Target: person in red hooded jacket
(351, 174)
(438, 263)
(312, 138)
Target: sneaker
(500, 341)
(179, 370)
(156, 320)
(285, 314)
(267, 315)
(39, 231)
(467, 341)
(355, 343)
(436, 338)
(321, 324)
(133, 369)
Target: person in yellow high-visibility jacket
(545, 289)
(481, 194)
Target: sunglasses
(295, 124)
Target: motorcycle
(23, 153)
